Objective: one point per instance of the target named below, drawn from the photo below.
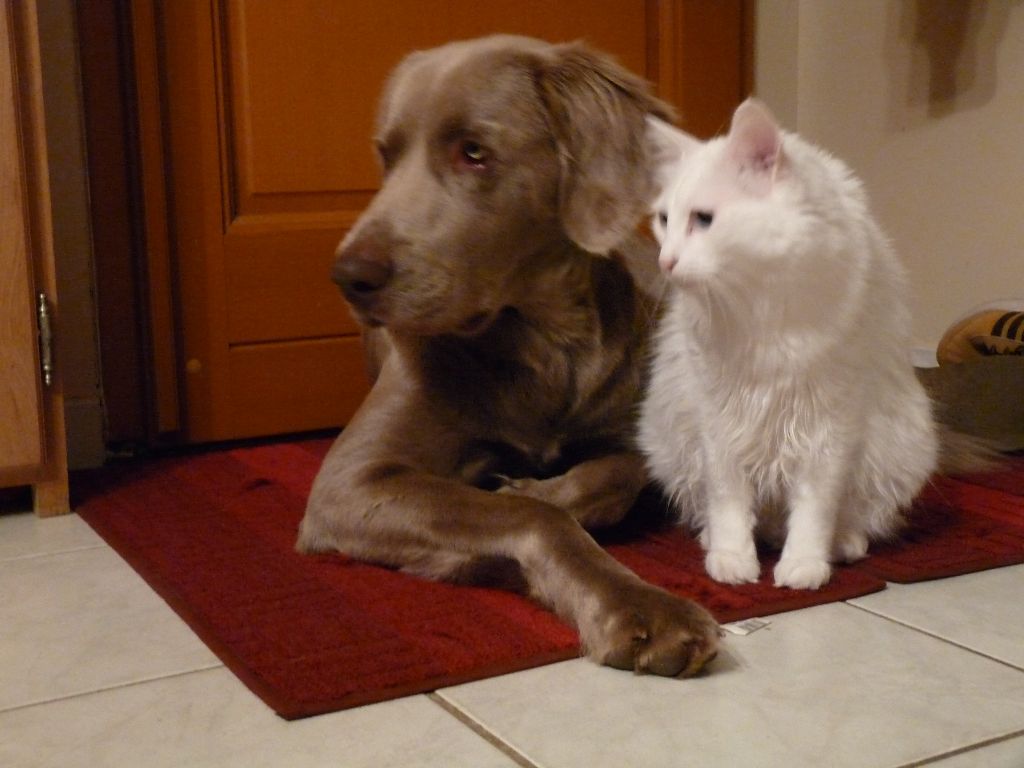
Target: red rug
(959, 525)
(213, 533)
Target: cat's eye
(701, 219)
(663, 218)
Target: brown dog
(510, 358)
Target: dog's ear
(597, 112)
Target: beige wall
(925, 99)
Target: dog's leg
(421, 522)
(598, 492)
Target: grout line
(53, 553)
(963, 750)
(936, 636)
(480, 730)
(109, 688)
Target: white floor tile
(25, 535)
(210, 719)
(831, 686)
(837, 685)
(982, 611)
(81, 621)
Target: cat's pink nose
(667, 261)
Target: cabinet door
(32, 450)
(21, 425)
(269, 110)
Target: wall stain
(943, 54)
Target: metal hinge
(45, 338)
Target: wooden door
(32, 448)
(268, 116)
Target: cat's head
(723, 206)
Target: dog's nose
(361, 272)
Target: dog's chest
(532, 390)
(547, 390)
(539, 420)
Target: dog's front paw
(729, 567)
(802, 572)
(652, 631)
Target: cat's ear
(668, 148)
(755, 139)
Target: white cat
(782, 401)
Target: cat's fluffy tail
(960, 453)
(963, 454)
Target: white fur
(782, 400)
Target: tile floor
(96, 671)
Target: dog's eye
(473, 154)
(701, 219)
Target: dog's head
(496, 153)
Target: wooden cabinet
(32, 442)
(260, 139)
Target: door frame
(118, 43)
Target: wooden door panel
(297, 104)
(280, 286)
(306, 77)
(312, 384)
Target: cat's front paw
(802, 572)
(850, 547)
(730, 567)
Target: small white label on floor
(746, 626)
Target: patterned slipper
(984, 333)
